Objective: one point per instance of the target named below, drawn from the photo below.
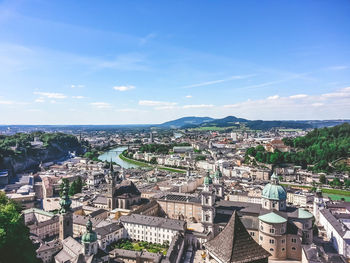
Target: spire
(111, 169)
(274, 178)
(65, 201)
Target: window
(282, 230)
(271, 249)
(272, 241)
(272, 230)
(293, 248)
(252, 234)
(261, 227)
(283, 249)
(294, 240)
(283, 241)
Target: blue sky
(121, 62)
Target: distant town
(190, 190)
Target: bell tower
(65, 214)
(111, 187)
(208, 201)
(89, 240)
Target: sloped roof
(234, 244)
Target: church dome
(274, 190)
(89, 236)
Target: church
(120, 193)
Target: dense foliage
(15, 245)
(92, 155)
(21, 143)
(160, 148)
(320, 148)
(74, 188)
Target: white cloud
(51, 95)
(127, 110)
(188, 96)
(123, 88)
(73, 86)
(317, 104)
(298, 96)
(101, 105)
(40, 100)
(78, 97)
(153, 103)
(170, 107)
(207, 83)
(336, 68)
(275, 97)
(198, 106)
(6, 102)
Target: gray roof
(105, 230)
(181, 198)
(338, 226)
(154, 221)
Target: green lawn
(141, 246)
(143, 164)
(338, 197)
(335, 194)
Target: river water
(114, 155)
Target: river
(114, 154)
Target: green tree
(323, 179)
(15, 245)
(153, 160)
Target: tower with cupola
(65, 214)
(89, 240)
(274, 195)
(208, 201)
(218, 185)
(318, 204)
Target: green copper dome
(273, 190)
(272, 218)
(89, 236)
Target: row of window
(272, 241)
(283, 249)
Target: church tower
(110, 187)
(89, 240)
(65, 214)
(318, 204)
(208, 201)
(219, 188)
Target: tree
(153, 160)
(79, 184)
(73, 188)
(323, 179)
(15, 245)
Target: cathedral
(120, 193)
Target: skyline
(151, 62)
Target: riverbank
(144, 164)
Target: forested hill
(319, 148)
(19, 152)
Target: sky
(147, 62)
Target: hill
(185, 121)
(319, 150)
